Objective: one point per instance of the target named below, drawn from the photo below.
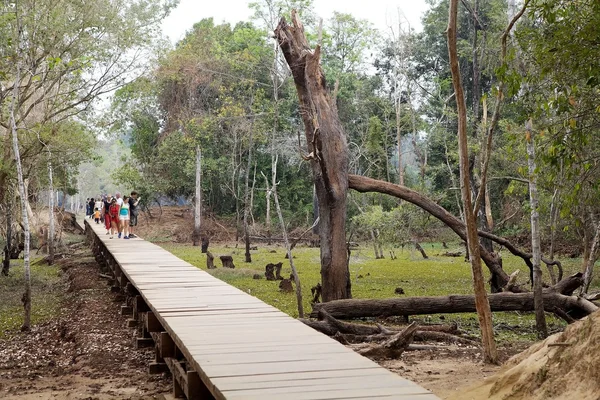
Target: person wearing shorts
(124, 217)
(133, 213)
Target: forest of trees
(223, 98)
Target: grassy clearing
(371, 278)
(45, 300)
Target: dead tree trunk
(363, 184)
(367, 308)
(421, 250)
(205, 244)
(327, 152)
(8, 244)
(227, 261)
(393, 347)
(210, 260)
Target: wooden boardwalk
(220, 342)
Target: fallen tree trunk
(363, 184)
(575, 307)
(328, 325)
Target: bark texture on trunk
(198, 202)
(481, 301)
(247, 201)
(288, 249)
(370, 308)
(591, 258)
(328, 154)
(50, 211)
(8, 245)
(536, 247)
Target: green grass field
(371, 278)
(45, 302)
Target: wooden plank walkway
(239, 346)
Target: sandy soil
(87, 353)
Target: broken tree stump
(278, 271)
(421, 250)
(393, 347)
(286, 286)
(270, 272)
(210, 260)
(205, 243)
(316, 293)
(227, 262)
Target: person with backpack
(105, 209)
(91, 204)
(133, 212)
(113, 212)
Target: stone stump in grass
(227, 261)
(210, 260)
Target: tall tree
(328, 154)
(481, 301)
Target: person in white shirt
(119, 199)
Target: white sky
(382, 13)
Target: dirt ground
(446, 372)
(87, 353)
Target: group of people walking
(119, 214)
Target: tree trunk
(536, 247)
(252, 195)
(393, 347)
(421, 250)
(371, 308)
(247, 200)
(198, 203)
(399, 141)
(50, 210)
(592, 256)
(328, 154)
(268, 211)
(210, 260)
(6, 261)
(22, 192)
(553, 221)
(481, 301)
(288, 250)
